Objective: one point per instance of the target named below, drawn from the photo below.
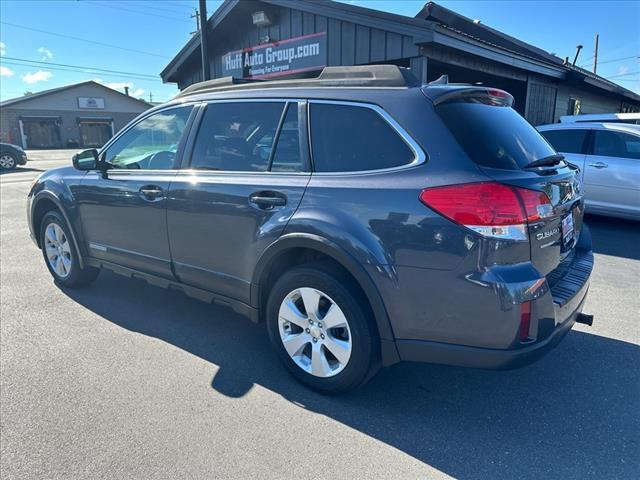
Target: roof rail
(355, 76)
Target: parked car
(367, 225)
(608, 155)
(631, 118)
(11, 156)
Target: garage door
(95, 134)
(42, 132)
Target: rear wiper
(546, 161)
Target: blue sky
(148, 34)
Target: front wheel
(318, 325)
(60, 254)
(7, 161)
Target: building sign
(295, 55)
(91, 103)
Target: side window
(616, 144)
(287, 156)
(566, 141)
(237, 136)
(152, 143)
(347, 138)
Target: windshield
(494, 136)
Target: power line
(146, 13)
(84, 71)
(179, 4)
(142, 76)
(83, 39)
(626, 74)
(613, 60)
(155, 6)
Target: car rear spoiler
(443, 93)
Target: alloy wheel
(7, 161)
(58, 250)
(315, 332)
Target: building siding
(590, 102)
(347, 43)
(63, 106)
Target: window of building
(573, 108)
(347, 138)
(566, 141)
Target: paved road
(38, 162)
(125, 380)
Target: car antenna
(442, 80)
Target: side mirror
(86, 160)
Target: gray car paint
(430, 281)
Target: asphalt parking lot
(126, 380)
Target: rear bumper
(489, 358)
(554, 311)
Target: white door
(612, 174)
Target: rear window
(566, 141)
(347, 138)
(494, 136)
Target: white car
(608, 155)
(631, 118)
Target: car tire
(332, 349)
(60, 254)
(8, 161)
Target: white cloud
(119, 86)
(46, 54)
(6, 72)
(39, 76)
(3, 48)
(622, 69)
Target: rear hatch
(511, 152)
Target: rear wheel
(318, 324)
(60, 254)
(7, 161)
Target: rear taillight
(489, 208)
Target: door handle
(151, 193)
(599, 165)
(267, 200)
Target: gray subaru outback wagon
(366, 218)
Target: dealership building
(260, 39)
(81, 115)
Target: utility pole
(150, 97)
(595, 55)
(196, 15)
(204, 41)
(575, 59)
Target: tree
(27, 93)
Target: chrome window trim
(192, 172)
(420, 156)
